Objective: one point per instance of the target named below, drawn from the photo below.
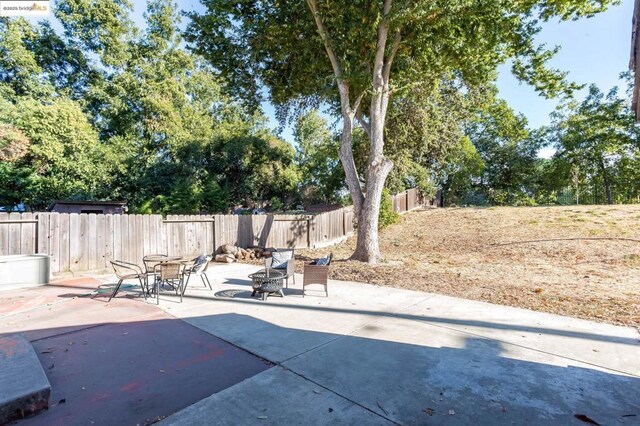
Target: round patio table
(267, 282)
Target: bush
(387, 215)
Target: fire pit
(266, 282)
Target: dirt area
(580, 261)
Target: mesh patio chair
(170, 273)
(197, 267)
(129, 271)
(317, 274)
(284, 261)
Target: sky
(594, 50)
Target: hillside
(581, 261)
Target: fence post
(344, 221)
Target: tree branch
(392, 55)
(326, 38)
(361, 120)
(383, 32)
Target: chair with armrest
(170, 273)
(317, 272)
(283, 260)
(129, 271)
(197, 267)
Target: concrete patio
(378, 355)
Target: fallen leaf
(585, 419)
(330, 410)
(51, 366)
(62, 401)
(429, 411)
(452, 412)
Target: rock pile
(230, 253)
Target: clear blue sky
(594, 50)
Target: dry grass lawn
(581, 261)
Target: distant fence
(87, 242)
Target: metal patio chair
(169, 273)
(198, 267)
(129, 271)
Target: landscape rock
(225, 258)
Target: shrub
(387, 215)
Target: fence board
(44, 235)
(109, 234)
(117, 236)
(100, 241)
(4, 234)
(14, 234)
(92, 242)
(27, 235)
(53, 238)
(75, 242)
(65, 243)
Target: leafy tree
(597, 140)
(508, 151)
(322, 178)
(64, 158)
(355, 54)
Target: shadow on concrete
(425, 318)
(134, 372)
(137, 372)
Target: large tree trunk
(367, 204)
(378, 168)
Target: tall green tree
(355, 54)
(598, 140)
(321, 178)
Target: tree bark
(607, 181)
(367, 204)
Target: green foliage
(64, 156)
(275, 204)
(127, 114)
(598, 143)
(387, 216)
(276, 43)
(321, 175)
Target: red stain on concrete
(130, 386)
(100, 397)
(10, 347)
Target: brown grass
(577, 261)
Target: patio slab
(415, 358)
(122, 362)
(275, 397)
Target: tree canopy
(353, 55)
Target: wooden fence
(87, 242)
